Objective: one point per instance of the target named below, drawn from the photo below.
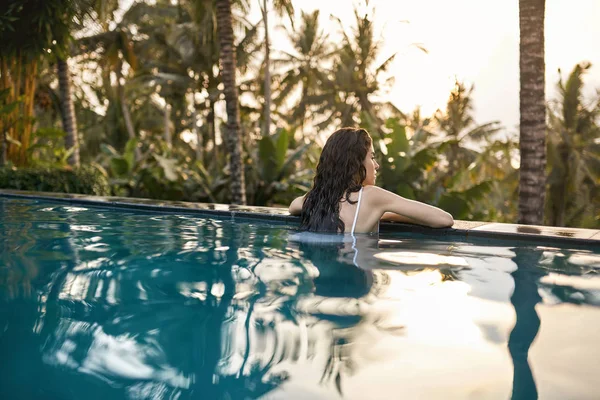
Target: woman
(344, 198)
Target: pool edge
(467, 229)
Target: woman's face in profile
(371, 166)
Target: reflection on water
(99, 303)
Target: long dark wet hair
(340, 170)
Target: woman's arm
(409, 210)
(393, 217)
(296, 206)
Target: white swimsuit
(357, 209)
(354, 226)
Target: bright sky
(474, 40)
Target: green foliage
(31, 27)
(459, 133)
(573, 154)
(5, 106)
(157, 175)
(271, 154)
(282, 172)
(446, 169)
(404, 166)
(461, 204)
(82, 180)
(48, 149)
(8, 17)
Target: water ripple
(102, 303)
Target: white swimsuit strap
(357, 208)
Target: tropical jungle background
(189, 100)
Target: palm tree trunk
(178, 106)
(228, 70)
(167, 132)
(198, 133)
(212, 131)
(68, 112)
(267, 84)
(126, 113)
(532, 144)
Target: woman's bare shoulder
(371, 189)
(375, 192)
(376, 197)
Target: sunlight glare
(425, 259)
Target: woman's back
(357, 215)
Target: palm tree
(418, 126)
(112, 50)
(532, 180)
(80, 15)
(465, 148)
(233, 129)
(281, 7)
(67, 107)
(306, 71)
(68, 111)
(460, 130)
(573, 155)
(170, 61)
(177, 54)
(356, 77)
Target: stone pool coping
(468, 229)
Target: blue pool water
(99, 303)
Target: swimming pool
(100, 302)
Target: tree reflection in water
(302, 310)
(199, 308)
(534, 265)
(153, 306)
(524, 299)
(230, 327)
